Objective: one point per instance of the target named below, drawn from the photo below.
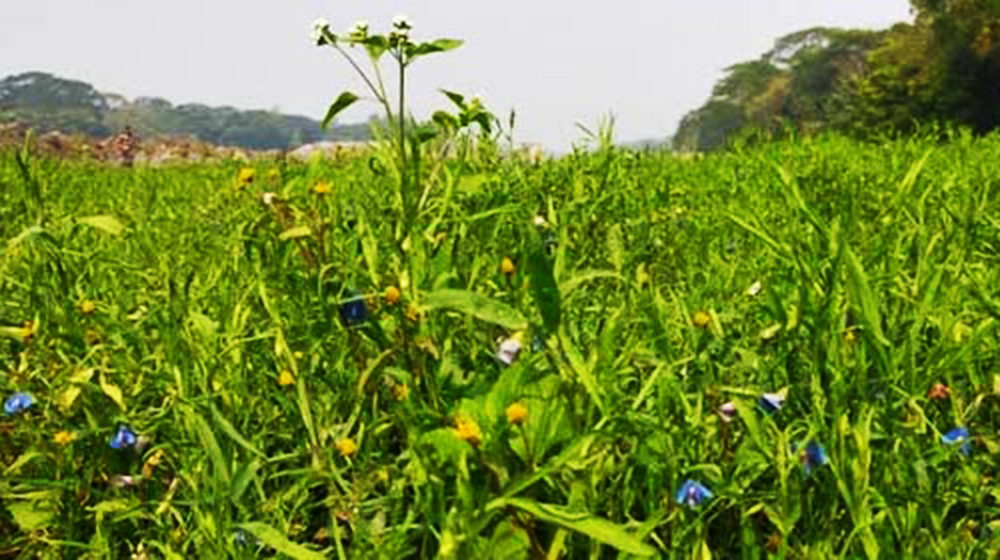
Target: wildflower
(122, 481)
(392, 295)
(693, 493)
(123, 438)
(517, 414)
(701, 319)
(346, 447)
(246, 176)
(958, 435)
(754, 289)
(354, 311)
(17, 403)
(771, 402)
(360, 31)
(812, 456)
(286, 378)
(268, 198)
(401, 392)
(540, 221)
(507, 266)
(468, 430)
(64, 438)
(323, 187)
(402, 23)
(87, 307)
(727, 412)
(509, 348)
(321, 27)
(939, 391)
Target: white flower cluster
(360, 31)
(401, 29)
(320, 28)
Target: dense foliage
(48, 103)
(205, 361)
(942, 69)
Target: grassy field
(194, 369)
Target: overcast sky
(555, 62)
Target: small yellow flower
(346, 447)
(245, 176)
(517, 414)
(468, 430)
(286, 378)
(323, 187)
(87, 307)
(507, 266)
(392, 295)
(701, 319)
(64, 438)
(401, 392)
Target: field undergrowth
(242, 361)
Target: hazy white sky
(555, 62)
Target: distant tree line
(49, 103)
(944, 68)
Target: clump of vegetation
(438, 350)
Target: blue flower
(123, 438)
(354, 311)
(812, 457)
(958, 435)
(693, 493)
(18, 402)
(771, 402)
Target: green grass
(879, 272)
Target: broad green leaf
(208, 442)
(544, 288)
(478, 306)
(112, 391)
(861, 292)
(376, 45)
(295, 233)
(344, 101)
(68, 396)
(274, 539)
(31, 516)
(369, 246)
(457, 98)
(106, 223)
(588, 525)
(233, 433)
(22, 460)
(16, 333)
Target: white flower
(360, 29)
(320, 27)
(402, 23)
(727, 411)
(540, 221)
(754, 288)
(509, 349)
(268, 198)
